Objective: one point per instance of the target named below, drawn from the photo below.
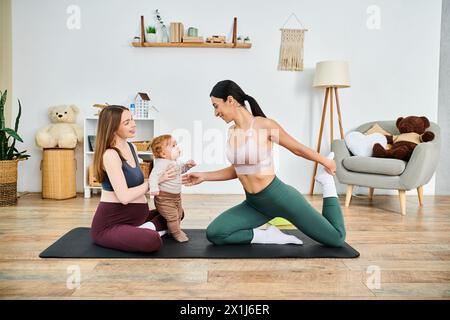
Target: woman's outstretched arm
(227, 173)
(194, 178)
(278, 135)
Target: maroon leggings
(115, 226)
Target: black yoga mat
(77, 243)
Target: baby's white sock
(150, 225)
(162, 232)
(273, 235)
(326, 180)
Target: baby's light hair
(158, 143)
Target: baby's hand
(154, 193)
(191, 163)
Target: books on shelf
(188, 39)
(91, 140)
(176, 31)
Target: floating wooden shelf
(193, 45)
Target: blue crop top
(133, 176)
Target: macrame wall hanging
(291, 48)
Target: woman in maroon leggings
(123, 219)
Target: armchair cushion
(376, 128)
(389, 167)
(362, 145)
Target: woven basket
(142, 145)
(92, 179)
(8, 182)
(146, 168)
(58, 174)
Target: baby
(168, 194)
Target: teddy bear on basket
(63, 132)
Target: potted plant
(9, 156)
(151, 34)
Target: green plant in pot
(9, 155)
(151, 34)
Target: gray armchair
(388, 173)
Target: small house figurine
(142, 106)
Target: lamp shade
(332, 74)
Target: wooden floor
(410, 255)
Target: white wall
(5, 56)
(443, 170)
(394, 70)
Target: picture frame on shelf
(91, 141)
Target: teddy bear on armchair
(412, 132)
(63, 132)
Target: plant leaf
(3, 145)
(12, 133)
(19, 113)
(17, 151)
(2, 107)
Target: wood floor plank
(412, 254)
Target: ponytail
(226, 88)
(254, 106)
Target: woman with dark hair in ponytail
(249, 149)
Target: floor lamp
(330, 75)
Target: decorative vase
(164, 35)
(159, 35)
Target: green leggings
(235, 225)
